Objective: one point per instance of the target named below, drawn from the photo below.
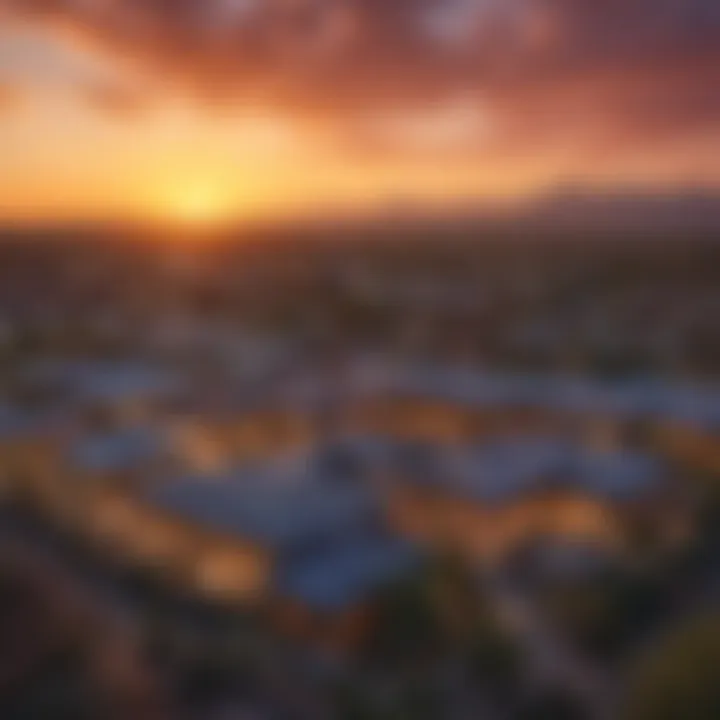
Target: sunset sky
(208, 110)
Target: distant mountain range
(630, 209)
(567, 210)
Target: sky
(224, 110)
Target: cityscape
(357, 496)
(359, 360)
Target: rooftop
(347, 573)
(277, 515)
(629, 398)
(122, 450)
(102, 380)
(501, 471)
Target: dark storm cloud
(612, 67)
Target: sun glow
(200, 205)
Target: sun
(200, 205)
(203, 205)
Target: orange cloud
(115, 99)
(11, 97)
(495, 93)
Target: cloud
(550, 70)
(11, 98)
(114, 99)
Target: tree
(406, 628)
(494, 659)
(351, 703)
(552, 704)
(680, 678)
(606, 613)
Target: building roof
(13, 421)
(280, 516)
(19, 423)
(121, 450)
(105, 381)
(693, 404)
(618, 475)
(502, 471)
(345, 574)
(625, 399)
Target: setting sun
(200, 205)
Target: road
(551, 662)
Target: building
(313, 551)
(486, 501)
(689, 428)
